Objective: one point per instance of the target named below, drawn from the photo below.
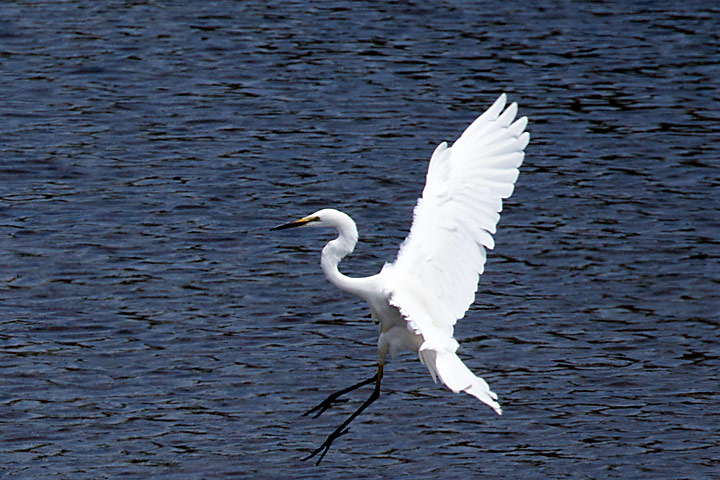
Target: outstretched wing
(454, 220)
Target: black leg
(342, 429)
(333, 398)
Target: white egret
(432, 283)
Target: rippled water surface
(152, 327)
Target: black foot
(325, 404)
(335, 398)
(342, 429)
(325, 446)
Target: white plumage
(452, 226)
(432, 283)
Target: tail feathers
(452, 371)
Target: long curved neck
(335, 251)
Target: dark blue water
(151, 326)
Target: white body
(418, 298)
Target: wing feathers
(490, 115)
(434, 278)
(507, 116)
(501, 175)
(507, 145)
(454, 220)
(518, 127)
(508, 160)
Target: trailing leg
(342, 429)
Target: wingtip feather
(508, 115)
(524, 140)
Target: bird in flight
(418, 298)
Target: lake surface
(152, 327)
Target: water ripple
(151, 326)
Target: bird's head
(326, 217)
(335, 250)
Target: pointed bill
(296, 223)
